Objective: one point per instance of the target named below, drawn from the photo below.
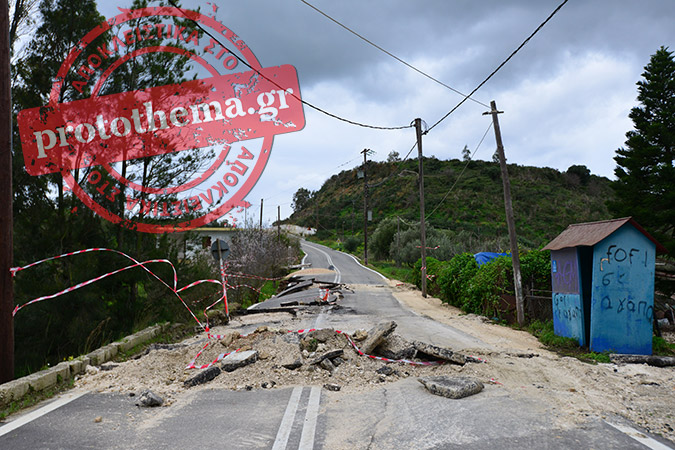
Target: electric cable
(555, 11)
(391, 54)
(426, 217)
(304, 102)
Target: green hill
(545, 200)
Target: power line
(461, 173)
(501, 65)
(392, 55)
(304, 102)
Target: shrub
(352, 243)
(382, 238)
(455, 277)
(434, 269)
(485, 288)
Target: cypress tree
(645, 184)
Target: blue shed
(602, 274)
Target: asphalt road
(401, 415)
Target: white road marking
(311, 417)
(338, 275)
(284, 432)
(367, 268)
(640, 437)
(23, 420)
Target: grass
(389, 270)
(662, 347)
(563, 345)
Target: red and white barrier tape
(173, 288)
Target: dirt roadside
(577, 390)
(517, 365)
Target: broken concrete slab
(439, 352)
(203, 377)
(395, 347)
(296, 288)
(452, 387)
(233, 361)
(328, 356)
(376, 335)
(326, 364)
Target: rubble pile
(273, 358)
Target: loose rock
(149, 399)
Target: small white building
(201, 240)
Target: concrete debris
(296, 287)
(295, 364)
(149, 399)
(376, 335)
(311, 340)
(328, 356)
(292, 312)
(332, 387)
(153, 347)
(387, 370)
(291, 358)
(108, 366)
(326, 364)
(203, 377)
(439, 353)
(229, 337)
(360, 335)
(652, 360)
(452, 387)
(395, 347)
(233, 361)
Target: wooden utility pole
(515, 258)
(261, 212)
(423, 232)
(6, 217)
(365, 207)
(398, 241)
(278, 222)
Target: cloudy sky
(566, 95)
